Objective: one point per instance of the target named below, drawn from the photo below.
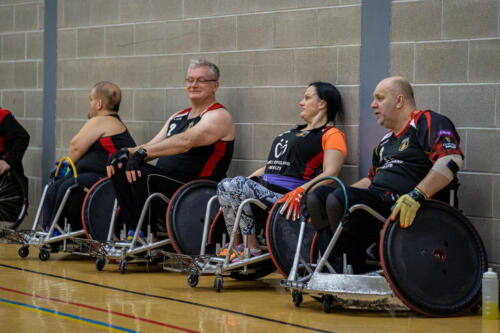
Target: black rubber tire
(13, 198)
(44, 255)
(297, 298)
(192, 280)
(23, 252)
(99, 264)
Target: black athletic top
(94, 160)
(210, 162)
(13, 140)
(401, 161)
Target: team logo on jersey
(170, 129)
(404, 144)
(280, 148)
(302, 133)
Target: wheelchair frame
(222, 267)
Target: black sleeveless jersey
(210, 162)
(296, 153)
(94, 160)
(401, 162)
(13, 140)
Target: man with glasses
(195, 143)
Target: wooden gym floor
(68, 294)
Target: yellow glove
(407, 207)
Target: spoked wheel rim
(13, 199)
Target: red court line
(102, 310)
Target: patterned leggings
(232, 192)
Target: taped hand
(292, 203)
(406, 207)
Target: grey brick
(166, 10)
(139, 131)
(296, 29)
(338, 26)
(182, 36)
(66, 44)
(149, 105)
(196, 8)
(34, 45)
(470, 18)
(496, 196)
(69, 129)
(31, 161)
(218, 34)
(134, 72)
(75, 73)
(316, 64)
(427, 97)
(39, 74)
(7, 75)
(90, 42)
(351, 137)
(243, 167)
(497, 111)
(127, 105)
(484, 60)
(273, 68)
(14, 101)
(235, 6)
(26, 17)
(285, 107)
(82, 103)
(265, 5)
(34, 102)
(104, 12)
(252, 102)
(6, 18)
(349, 174)
(41, 15)
(103, 70)
(469, 105)
(317, 3)
(243, 146)
(264, 136)
(176, 101)
(167, 71)
(350, 99)
(134, 10)
(119, 40)
(255, 31)
(149, 39)
(25, 75)
(350, 2)
(237, 68)
(76, 13)
(475, 194)
(13, 46)
(34, 128)
(489, 231)
(348, 67)
(65, 104)
(402, 56)
(478, 142)
(234, 100)
(441, 62)
(419, 20)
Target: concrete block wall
(450, 51)
(21, 80)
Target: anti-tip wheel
(192, 280)
(122, 266)
(23, 252)
(218, 283)
(99, 264)
(296, 298)
(327, 303)
(44, 255)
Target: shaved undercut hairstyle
(111, 93)
(205, 63)
(403, 87)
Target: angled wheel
(122, 266)
(192, 280)
(13, 198)
(218, 283)
(296, 298)
(327, 303)
(44, 255)
(99, 264)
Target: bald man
(416, 160)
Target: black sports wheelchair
(434, 267)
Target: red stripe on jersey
(3, 113)
(108, 145)
(180, 113)
(312, 165)
(219, 151)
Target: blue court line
(68, 316)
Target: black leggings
(360, 232)
(132, 196)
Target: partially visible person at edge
(416, 160)
(297, 157)
(195, 143)
(90, 148)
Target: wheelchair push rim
(436, 265)
(13, 199)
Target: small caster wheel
(327, 303)
(44, 255)
(218, 282)
(296, 298)
(122, 266)
(23, 251)
(99, 264)
(192, 280)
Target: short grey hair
(205, 63)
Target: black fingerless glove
(136, 160)
(119, 156)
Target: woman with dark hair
(297, 157)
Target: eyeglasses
(191, 80)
